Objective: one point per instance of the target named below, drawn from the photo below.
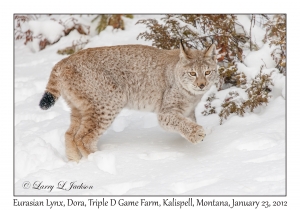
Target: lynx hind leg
(72, 151)
(94, 122)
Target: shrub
(68, 25)
(198, 32)
(231, 105)
(19, 21)
(115, 21)
(276, 35)
(208, 108)
(228, 76)
(76, 46)
(258, 94)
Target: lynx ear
(211, 52)
(183, 50)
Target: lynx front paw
(197, 135)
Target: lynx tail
(47, 101)
(52, 92)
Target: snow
(183, 24)
(51, 29)
(257, 32)
(243, 156)
(260, 57)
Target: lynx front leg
(176, 122)
(192, 116)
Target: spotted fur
(98, 83)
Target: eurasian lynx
(98, 82)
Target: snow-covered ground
(243, 156)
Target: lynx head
(196, 71)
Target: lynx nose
(201, 86)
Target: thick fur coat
(98, 83)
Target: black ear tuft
(182, 45)
(183, 50)
(211, 52)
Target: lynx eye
(192, 73)
(207, 73)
